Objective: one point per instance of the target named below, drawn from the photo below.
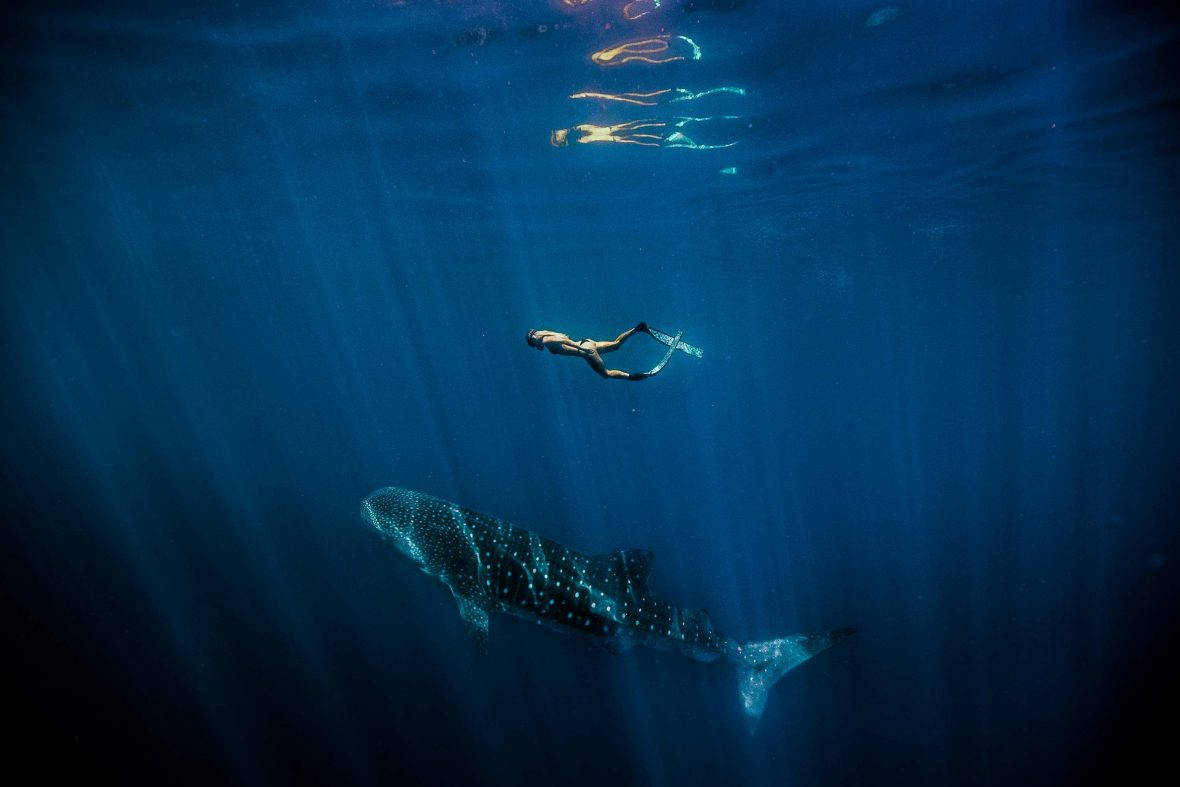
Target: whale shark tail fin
(761, 664)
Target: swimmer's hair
(532, 340)
(559, 137)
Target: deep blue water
(259, 260)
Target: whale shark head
(423, 528)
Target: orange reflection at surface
(659, 49)
(641, 99)
(640, 8)
(649, 133)
(668, 95)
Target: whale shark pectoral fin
(475, 618)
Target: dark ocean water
(261, 259)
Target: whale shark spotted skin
(492, 566)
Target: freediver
(589, 349)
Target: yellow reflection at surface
(639, 8)
(635, 9)
(668, 95)
(659, 49)
(634, 132)
(649, 133)
(641, 99)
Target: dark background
(258, 261)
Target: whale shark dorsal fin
(624, 565)
(475, 618)
(697, 617)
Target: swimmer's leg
(611, 346)
(636, 132)
(597, 365)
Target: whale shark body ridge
(493, 566)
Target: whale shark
(493, 566)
